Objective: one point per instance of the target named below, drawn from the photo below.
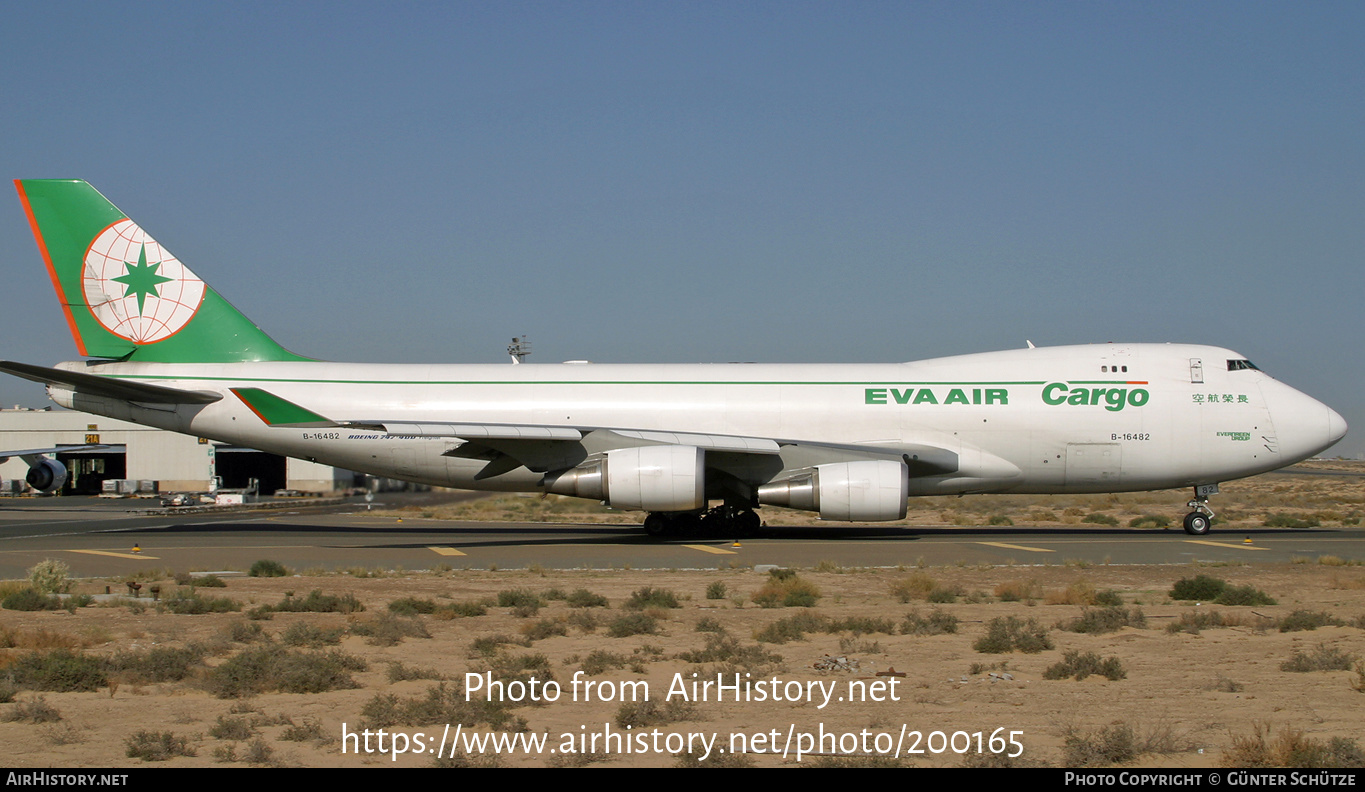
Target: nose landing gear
(1198, 521)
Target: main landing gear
(720, 521)
(1198, 521)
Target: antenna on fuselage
(1030, 344)
(519, 348)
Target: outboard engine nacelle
(46, 475)
(873, 490)
(663, 478)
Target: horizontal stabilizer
(108, 387)
(276, 411)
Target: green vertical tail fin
(126, 296)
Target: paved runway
(96, 539)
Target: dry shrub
(630, 624)
(1290, 748)
(1323, 658)
(1081, 592)
(938, 622)
(1308, 620)
(1010, 633)
(728, 656)
(41, 638)
(157, 746)
(1019, 590)
(1112, 745)
(1193, 622)
(1096, 621)
(787, 591)
(638, 714)
(1079, 665)
(35, 710)
(50, 577)
(1120, 743)
(387, 629)
(791, 628)
(545, 628)
(917, 586)
(273, 668)
(649, 598)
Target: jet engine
(861, 491)
(663, 478)
(46, 475)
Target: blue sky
(696, 181)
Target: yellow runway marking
(1222, 544)
(1017, 547)
(707, 549)
(115, 555)
(446, 551)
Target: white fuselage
(1098, 418)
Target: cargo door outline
(1094, 463)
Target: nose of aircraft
(1304, 425)
(1336, 426)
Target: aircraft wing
(108, 387)
(544, 449)
(469, 432)
(33, 452)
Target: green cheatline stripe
(878, 383)
(1108, 382)
(274, 410)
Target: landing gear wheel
(685, 524)
(1196, 524)
(657, 524)
(1198, 521)
(746, 523)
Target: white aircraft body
(851, 442)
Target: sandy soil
(1186, 696)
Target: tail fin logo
(135, 288)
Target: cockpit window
(1239, 365)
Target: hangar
(172, 461)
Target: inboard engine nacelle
(662, 478)
(862, 491)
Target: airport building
(171, 462)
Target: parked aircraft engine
(663, 478)
(46, 475)
(862, 491)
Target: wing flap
(480, 431)
(740, 445)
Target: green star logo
(141, 279)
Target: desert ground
(124, 682)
